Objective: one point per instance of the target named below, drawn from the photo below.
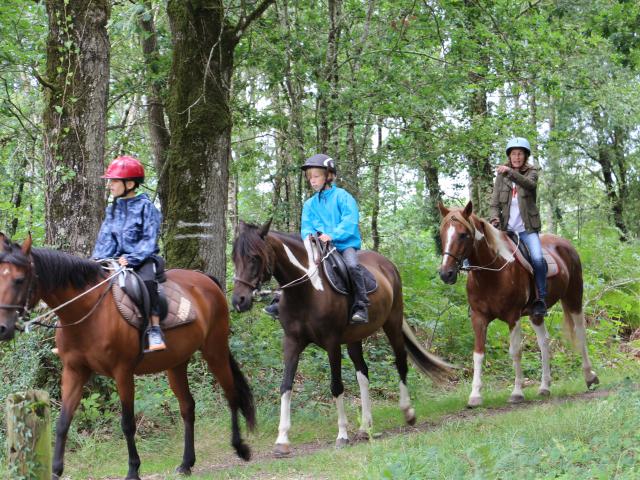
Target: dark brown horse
(500, 287)
(311, 312)
(93, 337)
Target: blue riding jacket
(131, 230)
(334, 212)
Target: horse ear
(468, 210)
(26, 244)
(444, 211)
(264, 229)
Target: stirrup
(360, 317)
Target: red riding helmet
(125, 168)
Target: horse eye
(18, 281)
(464, 236)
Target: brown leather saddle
(524, 258)
(132, 300)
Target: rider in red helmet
(130, 232)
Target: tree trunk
(75, 121)
(480, 168)
(375, 190)
(160, 137)
(554, 172)
(200, 122)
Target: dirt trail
(302, 449)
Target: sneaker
(272, 309)
(360, 316)
(156, 342)
(539, 308)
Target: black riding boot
(539, 308)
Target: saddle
(337, 273)
(132, 300)
(523, 256)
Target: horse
(92, 337)
(311, 312)
(500, 287)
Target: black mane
(57, 269)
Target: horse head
(253, 262)
(16, 283)
(457, 233)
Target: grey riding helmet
(519, 142)
(320, 160)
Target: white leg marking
(581, 339)
(515, 349)
(476, 397)
(366, 422)
(342, 418)
(285, 419)
(405, 402)
(312, 270)
(451, 231)
(543, 343)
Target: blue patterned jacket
(131, 229)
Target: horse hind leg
(362, 374)
(180, 387)
(393, 329)
(576, 325)
(237, 391)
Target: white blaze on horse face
(451, 231)
(312, 270)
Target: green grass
(485, 446)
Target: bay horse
(92, 337)
(500, 287)
(311, 312)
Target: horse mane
(482, 228)
(250, 243)
(57, 269)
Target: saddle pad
(552, 264)
(333, 270)
(180, 310)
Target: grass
(524, 443)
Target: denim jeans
(532, 241)
(350, 256)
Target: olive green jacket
(526, 181)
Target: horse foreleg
(73, 380)
(579, 326)
(543, 343)
(479, 323)
(515, 349)
(337, 390)
(362, 374)
(291, 352)
(126, 391)
(180, 387)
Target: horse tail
(243, 393)
(426, 362)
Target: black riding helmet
(320, 160)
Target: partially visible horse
(311, 312)
(500, 287)
(93, 337)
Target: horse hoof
(516, 398)
(474, 402)
(410, 416)
(544, 392)
(282, 450)
(362, 436)
(186, 471)
(130, 477)
(342, 442)
(591, 384)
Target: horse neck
(291, 259)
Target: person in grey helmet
(513, 207)
(333, 213)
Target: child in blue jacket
(130, 232)
(333, 212)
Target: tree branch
(244, 22)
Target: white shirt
(515, 219)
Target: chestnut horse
(500, 287)
(311, 312)
(93, 337)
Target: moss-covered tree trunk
(77, 85)
(196, 184)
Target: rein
(47, 315)
(307, 275)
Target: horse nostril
(3, 329)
